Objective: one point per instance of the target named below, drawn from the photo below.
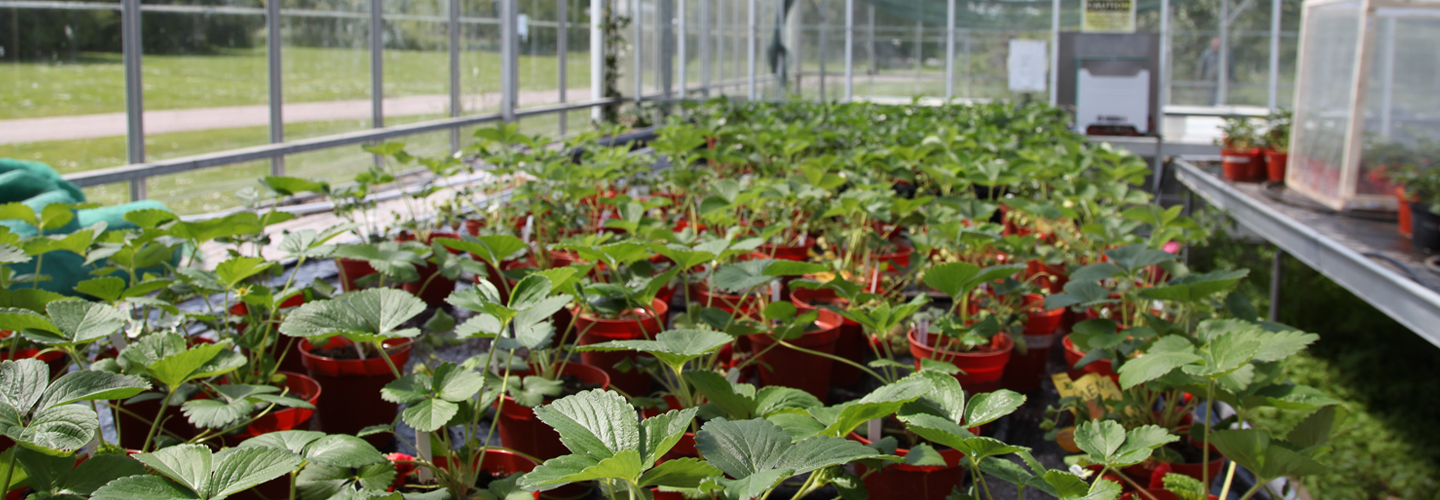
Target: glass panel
(417, 69)
(1401, 100)
(208, 69)
(63, 89)
(325, 67)
(206, 190)
(1322, 112)
(480, 59)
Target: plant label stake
(529, 227)
(775, 291)
(923, 328)
(422, 448)
(872, 430)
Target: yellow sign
(1093, 388)
(1109, 16)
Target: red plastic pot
(1241, 166)
(781, 365)
(1053, 277)
(910, 482)
(497, 461)
(1275, 163)
(785, 252)
(351, 270)
(285, 419)
(851, 343)
(1103, 366)
(1143, 472)
(1403, 212)
(898, 259)
(1026, 371)
(981, 369)
(522, 431)
(351, 400)
(644, 325)
(435, 286)
(54, 360)
(707, 297)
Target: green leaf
(108, 289)
(429, 415)
(61, 429)
(454, 384)
(1096, 272)
(1137, 256)
(1140, 442)
(1100, 439)
(150, 218)
(990, 406)
(188, 464)
(87, 476)
(1315, 430)
(240, 469)
(597, 424)
(215, 414)
(223, 227)
(742, 448)
(82, 321)
(879, 403)
(291, 441)
(1281, 345)
(238, 269)
(659, 434)
(491, 248)
(721, 393)
(741, 277)
(178, 368)
(753, 486)
(923, 454)
(16, 319)
(679, 473)
(576, 468)
(1165, 355)
(19, 211)
(372, 314)
(147, 487)
(674, 347)
(1196, 287)
(341, 450)
(91, 385)
(820, 452)
(793, 268)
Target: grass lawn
(237, 77)
(212, 189)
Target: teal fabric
(37, 185)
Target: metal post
(509, 60)
(1222, 87)
(824, 46)
(664, 47)
(1387, 79)
(562, 44)
(750, 50)
(639, 49)
(1274, 55)
(1277, 274)
(967, 63)
(680, 48)
(949, 50)
(797, 44)
(919, 54)
(1055, 52)
(849, 50)
(705, 42)
(597, 55)
(377, 66)
(1164, 97)
(720, 39)
(134, 91)
(273, 69)
(455, 103)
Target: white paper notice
(1028, 62)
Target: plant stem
(10, 471)
(154, 424)
(833, 358)
(380, 346)
(1205, 450)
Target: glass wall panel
(325, 67)
(63, 86)
(480, 57)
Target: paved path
(60, 128)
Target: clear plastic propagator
(1367, 98)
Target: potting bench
(1366, 256)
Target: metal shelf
(1336, 246)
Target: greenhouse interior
(719, 249)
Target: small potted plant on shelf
(1239, 150)
(1421, 187)
(1277, 144)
